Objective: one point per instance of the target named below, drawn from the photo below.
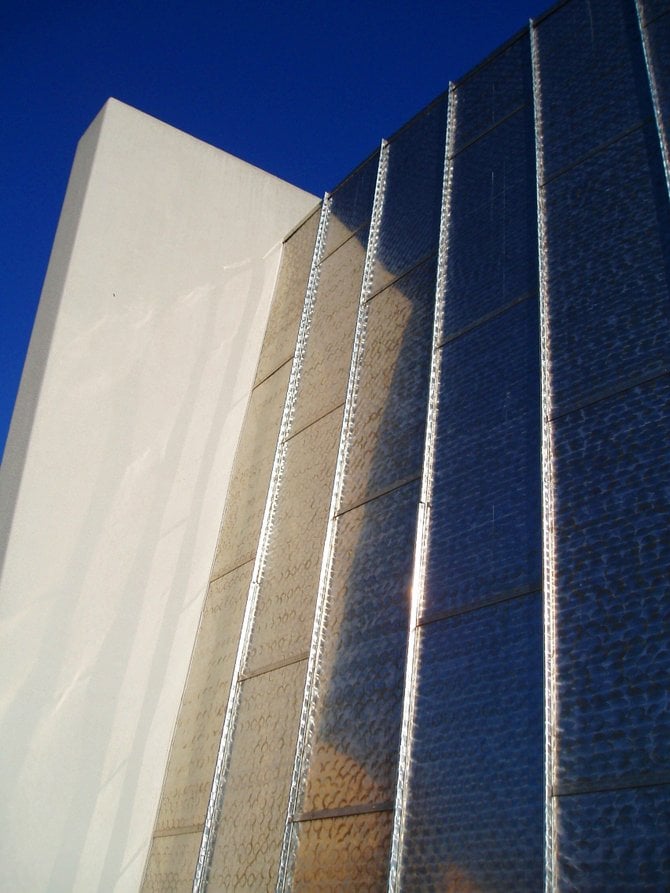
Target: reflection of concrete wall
(116, 468)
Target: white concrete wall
(114, 481)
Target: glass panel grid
(602, 92)
(475, 810)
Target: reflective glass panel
(352, 203)
(411, 218)
(492, 241)
(282, 627)
(652, 9)
(325, 372)
(608, 263)
(612, 465)
(289, 297)
(493, 91)
(392, 398)
(593, 80)
(485, 534)
(347, 853)
(188, 779)
(250, 478)
(658, 34)
(172, 862)
(617, 841)
(249, 835)
(475, 811)
(358, 699)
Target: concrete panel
(115, 476)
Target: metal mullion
(305, 728)
(421, 541)
(223, 755)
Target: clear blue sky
(303, 90)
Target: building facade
(433, 652)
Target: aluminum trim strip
(548, 544)
(223, 756)
(306, 717)
(418, 581)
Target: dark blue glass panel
(493, 91)
(476, 800)
(411, 219)
(352, 203)
(618, 841)
(492, 248)
(658, 34)
(612, 467)
(594, 83)
(651, 9)
(608, 269)
(392, 402)
(359, 687)
(485, 538)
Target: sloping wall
(139, 372)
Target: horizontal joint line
(509, 596)
(277, 665)
(397, 486)
(343, 811)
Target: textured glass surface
(359, 686)
(171, 864)
(325, 373)
(485, 536)
(188, 778)
(250, 831)
(392, 398)
(493, 91)
(348, 853)
(475, 812)
(285, 611)
(352, 203)
(658, 35)
(618, 841)
(250, 478)
(411, 219)
(608, 261)
(593, 80)
(612, 466)
(651, 9)
(288, 298)
(492, 247)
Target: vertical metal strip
(423, 522)
(303, 745)
(548, 540)
(223, 756)
(653, 87)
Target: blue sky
(303, 90)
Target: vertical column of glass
(654, 21)
(474, 802)
(262, 723)
(605, 279)
(339, 827)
